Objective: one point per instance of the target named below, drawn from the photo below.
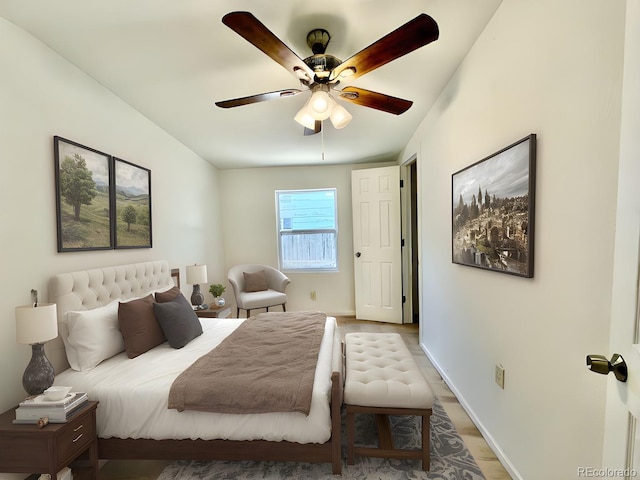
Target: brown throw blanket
(267, 364)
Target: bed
(133, 420)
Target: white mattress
(133, 396)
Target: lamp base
(197, 299)
(39, 374)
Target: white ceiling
(172, 59)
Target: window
(307, 229)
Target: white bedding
(133, 395)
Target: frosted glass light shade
(320, 104)
(36, 324)
(340, 117)
(196, 274)
(305, 118)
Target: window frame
(280, 232)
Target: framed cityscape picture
(493, 204)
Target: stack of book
(33, 409)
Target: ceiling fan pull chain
(322, 138)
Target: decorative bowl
(56, 393)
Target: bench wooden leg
(385, 447)
(351, 436)
(385, 438)
(426, 441)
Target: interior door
(622, 421)
(377, 243)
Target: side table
(214, 311)
(29, 449)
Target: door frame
(410, 220)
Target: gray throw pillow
(178, 321)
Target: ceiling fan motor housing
(318, 40)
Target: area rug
(450, 459)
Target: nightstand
(29, 449)
(214, 311)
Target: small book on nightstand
(33, 409)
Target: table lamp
(197, 274)
(36, 324)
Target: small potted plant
(217, 289)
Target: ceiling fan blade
(237, 102)
(412, 35)
(313, 131)
(376, 100)
(254, 31)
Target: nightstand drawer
(75, 438)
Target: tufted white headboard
(88, 289)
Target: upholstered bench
(382, 378)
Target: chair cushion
(261, 299)
(255, 282)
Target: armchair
(258, 286)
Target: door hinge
(402, 242)
(404, 299)
(401, 183)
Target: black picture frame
(132, 205)
(83, 178)
(493, 211)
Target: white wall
(42, 95)
(555, 69)
(250, 236)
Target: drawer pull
(77, 438)
(78, 427)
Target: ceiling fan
(321, 73)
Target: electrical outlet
(313, 295)
(500, 376)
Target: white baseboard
(485, 433)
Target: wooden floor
(484, 456)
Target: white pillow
(93, 336)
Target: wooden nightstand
(29, 449)
(215, 312)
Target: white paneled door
(622, 419)
(377, 243)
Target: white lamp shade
(196, 274)
(320, 104)
(340, 117)
(36, 324)
(304, 118)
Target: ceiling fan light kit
(321, 73)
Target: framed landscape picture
(83, 199)
(132, 203)
(493, 217)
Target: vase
(219, 301)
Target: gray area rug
(450, 458)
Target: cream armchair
(258, 286)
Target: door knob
(600, 364)
(358, 254)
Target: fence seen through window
(307, 229)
